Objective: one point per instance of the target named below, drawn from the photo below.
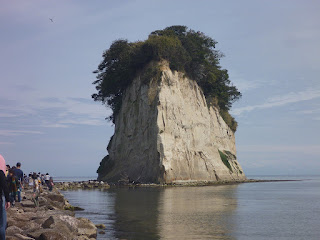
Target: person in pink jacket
(4, 204)
(3, 166)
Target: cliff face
(165, 132)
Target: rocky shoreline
(94, 184)
(91, 184)
(54, 219)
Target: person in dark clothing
(19, 175)
(13, 185)
(51, 184)
(4, 204)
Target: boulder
(48, 222)
(62, 223)
(11, 238)
(87, 228)
(27, 222)
(12, 230)
(22, 237)
(27, 225)
(56, 197)
(83, 238)
(52, 235)
(27, 204)
(101, 226)
(42, 201)
(36, 234)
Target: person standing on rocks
(19, 175)
(13, 185)
(5, 204)
(46, 179)
(30, 181)
(36, 189)
(51, 184)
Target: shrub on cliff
(186, 50)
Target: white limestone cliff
(166, 133)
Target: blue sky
(49, 122)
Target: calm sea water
(249, 211)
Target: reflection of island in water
(136, 213)
(175, 213)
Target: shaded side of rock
(52, 235)
(48, 222)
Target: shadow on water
(136, 213)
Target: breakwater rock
(92, 184)
(50, 220)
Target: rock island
(170, 100)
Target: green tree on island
(186, 51)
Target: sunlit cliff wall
(165, 133)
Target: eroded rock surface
(166, 133)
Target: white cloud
(8, 115)
(54, 111)
(6, 143)
(309, 149)
(94, 122)
(73, 112)
(53, 125)
(244, 85)
(292, 97)
(309, 111)
(314, 110)
(9, 133)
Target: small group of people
(12, 181)
(36, 182)
(43, 180)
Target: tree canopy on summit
(188, 51)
